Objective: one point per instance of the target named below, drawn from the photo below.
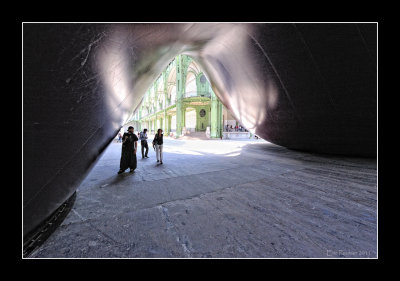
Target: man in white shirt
(143, 142)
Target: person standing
(119, 137)
(158, 143)
(143, 143)
(128, 154)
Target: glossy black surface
(310, 87)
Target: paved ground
(222, 199)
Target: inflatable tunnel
(305, 86)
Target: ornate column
(165, 90)
(169, 123)
(214, 115)
(180, 90)
(220, 120)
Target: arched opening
(171, 83)
(172, 95)
(191, 85)
(173, 123)
(182, 101)
(190, 119)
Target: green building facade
(180, 100)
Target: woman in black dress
(128, 155)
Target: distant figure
(119, 137)
(227, 128)
(128, 154)
(143, 143)
(231, 129)
(158, 144)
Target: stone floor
(222, 199)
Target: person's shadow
(116, 179)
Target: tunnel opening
(181, 101)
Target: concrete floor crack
(182, 240)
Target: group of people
(129, 147)
(237, 128)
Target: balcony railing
(172, 102)
(197, 94)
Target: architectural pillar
(166, 129)
(180, 90)
(139, 114)
(214, 116)
(220, 119)
(169, 123)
